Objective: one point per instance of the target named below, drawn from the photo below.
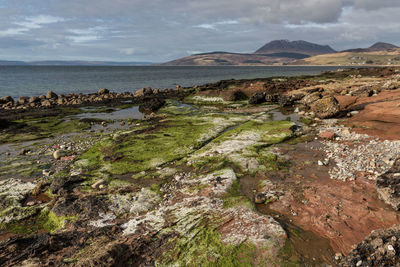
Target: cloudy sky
(161, 30)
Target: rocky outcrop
(151, 105)
(103, 91)
(143, 92)
(232, 95)
(380, 248)
(103, 96)
(257, 98)
(326, 107)
(6, 99)
(51, 95)
(388, 186)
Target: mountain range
(299, 52)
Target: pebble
(23, 151)
(98, 183)
(338, 256)
(355, 153)
(57, 154)
(46, 172)
(30, 203)
(359, 263)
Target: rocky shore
(300, 171)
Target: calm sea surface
(36, 80)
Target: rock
(6, 99)
(388, 186)
(151, 105)
(354, 112)
(30, 203)
(57, 154)
(62, 184)
(311, 98)
(257, 98)
(46, 173)
(23, 151)
(378, 249)
(326, 107)
(40, 187)
(143, 92)
(272, 98)
(103, 91)
(46, 103)
(232, 95)
(51, 95)
(98, 183)
(289, 99)
(34, 99)
(260, 198)
(23, 100)
(329, 135)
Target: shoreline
(282, 169)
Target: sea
(19, 81)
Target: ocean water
(37, 80)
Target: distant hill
(273, 53)
(380, 46)
(300, 47)
(71, 63)
(226, 59)
(354, 57)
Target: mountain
(273, 53)
(300, 47)
(71, 63)
(380, 46)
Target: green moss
(306, 121)
(45, 220)
(44, 127)
(204, 248)
(50, 222)
(134, 153)
(288, 255)
(234, 197)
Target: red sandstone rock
(327, 135)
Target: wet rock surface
(221, 183)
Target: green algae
(204, 248)
(234, 197)
(288, 256)
(34, 128)
(44, 220)
(168, 141)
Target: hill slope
(225, 58)
(302, 47)
(391, 57)
(380, 46)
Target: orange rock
(327, 135)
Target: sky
(163, 30)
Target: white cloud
(86, 35)
(213, 26)
(127, 51)
(30, 23)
